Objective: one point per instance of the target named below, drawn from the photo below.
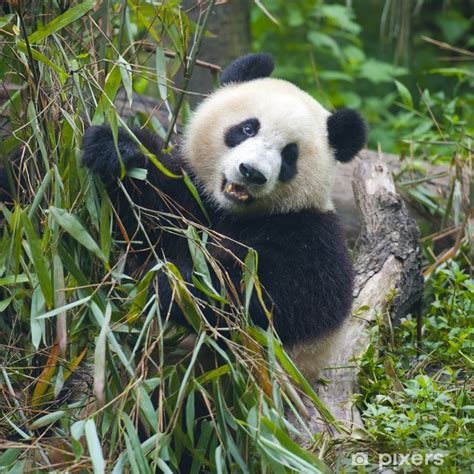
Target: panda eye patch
(237, 134)
(289, 158)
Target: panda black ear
(347, 133)
(248, 67)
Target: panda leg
(314, 355)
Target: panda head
(259, 144)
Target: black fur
(347, 134)
(289, 158)
(158, 192)
(247, 68)
(303, 263)
(99, 146)
(237, 134)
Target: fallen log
(388, 279)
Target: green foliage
(92, 374)
(420, 400)
(339, 54)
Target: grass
(417, 398)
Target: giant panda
(262, 155)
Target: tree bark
(346, 205)
(388, 279)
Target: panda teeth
(229, 188)
(237, 191)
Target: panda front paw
(100, 153)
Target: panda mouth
(236, 192)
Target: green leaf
(61, 21)
(41, 265)
(127, 81)
(322, 40)
(146, 408)
(76, 230)
(77, 429)
(99, 358)
(404, 94)
(138, 173)
(378, 72)
(5, 303)
(112, 84)
(9, 456)
(65, 308)
(452, 71)
(14, 279)
(47, 419)
(201, 277)
(4, 20)
(184, 300)
(95, 450)
(37, 327)
(40, 57)
(134, 448)
(160, 65)
(290, 367)
(314, 465)
(190, 185)
(341, 16)
(37, 131)
(114, 345)
(105, 226)
(249, 275)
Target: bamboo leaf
(60, 301)
(77, 429)
(95, 450)
(190, 185)
(61, 21)
(111, 86)
(99, 358)
(76, 230)
(65, 308)
(37, 326)
(134, 448)
(42, 271)
(4, 21)
(44, 381)
(160, 63)
(9, 456)
(41, 58)
(125, 73)
(47, 419)
(15, 279)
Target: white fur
(314, 355)
(287, 115)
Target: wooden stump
(388, 278)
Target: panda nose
(251, 174)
